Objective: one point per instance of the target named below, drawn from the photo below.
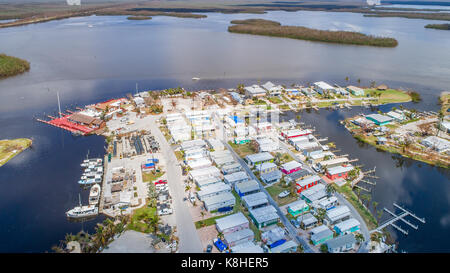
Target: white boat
(85, 177)
(82, 211)
(94, 194)
(90, 181)
(195, 79)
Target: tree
(324, 248)
(346, 79)
(373, 84)
(359, 238)
(374, 205)
(320, 215)
(359, 82)
(330, 189)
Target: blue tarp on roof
(236, 119)
(277, 243)
(220, 245)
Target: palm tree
(374, 205)
(330, 189)
(346, 79)
(359, 82)
(379, 215)
(220, 235)
(358, 193)
(320, 215)
(359, 238)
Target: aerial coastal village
(225, 171)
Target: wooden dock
(102, 195)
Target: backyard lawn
(277, 189)
(150, 176)
(389, 95)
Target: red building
(307, 183)
(339, 172)
(295, 133)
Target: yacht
(82, 211)
(94, 194)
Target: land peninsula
(439, 26)
(11, 66)
(275, 29)
(9, 148)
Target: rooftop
(291, 165)
(255, 199)
(231, 221)
(254, 158)
(264, 214)
(238, 235)
(341, 241)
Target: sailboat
(82, 211)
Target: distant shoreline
(26, 14)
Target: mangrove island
(439, 26)
(275, 29)
(11, 66)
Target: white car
(165, 212)
(283, 194)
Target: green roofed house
(298, 207)
(322, 236)
(356, 91)
(265, 216)
(379, 119)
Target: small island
(11, 66)
(275, 29)
(9, 148)
(139, 17)
(439, 26)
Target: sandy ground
(207, 234)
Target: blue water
(91, 64)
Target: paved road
(341, 199)
(290, 228)
(189, 239)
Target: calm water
(90, 64)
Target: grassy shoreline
(274, 29)
(12, 66)
(9, 148)
(139, 18)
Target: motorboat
(94, 194)
(90, 181)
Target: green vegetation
(412, 15)
(275, 100)
(284, 107)
(139, 17)
(11, 148)
(269, 28)
(389, 95)
(256, 22)
(151, 176)
(243, 149)
(277, 189)
(144, 220)
(415, 97)
(11, 66)
(179, 155)
(439, 26)
(347, 192)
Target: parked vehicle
(209, 248)
(283, 194)
(191, 197)
(165, 211)
(219, 244)
(295, 223)
(160, 182)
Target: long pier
(400, 217)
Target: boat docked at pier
(90, 181)
(94, 194)
(92, 162)
(82, 211)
